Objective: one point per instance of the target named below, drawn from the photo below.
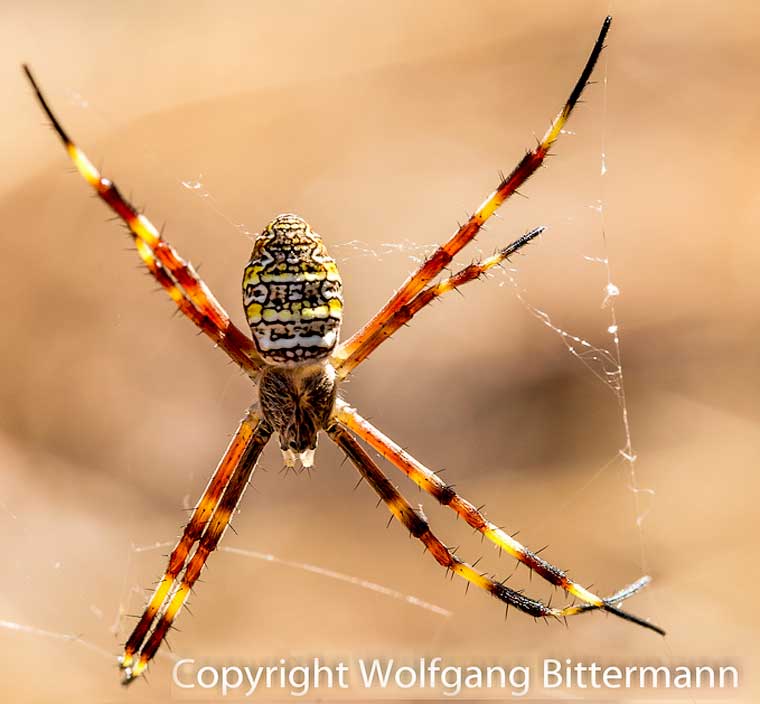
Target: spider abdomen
(292, 294)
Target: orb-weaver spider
(293, 302)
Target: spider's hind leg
(418, 526)
(206, 527)
(430, 482)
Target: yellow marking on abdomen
(292, 294)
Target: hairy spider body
(292, 299)
(298, 402)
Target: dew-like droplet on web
(80, 100)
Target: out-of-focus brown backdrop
(383, 124)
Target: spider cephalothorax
(292, 298)
(298, 402)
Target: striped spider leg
(194, 299)
(176, 276)
(430, 482)
(472, 272)
(350, 353)
(206, 527)
(417, 525)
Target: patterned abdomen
(292, 293)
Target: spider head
(298, 402)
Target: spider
(293, 303)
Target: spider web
(599, 351)
(605, 362)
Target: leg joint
(416, 523)
(445, 495)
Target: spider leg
(203, 511)
(207, 525)
(178, 278)
(445, 253)
(407, 311)
(417, 524)
(430, 482)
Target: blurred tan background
(383, 125)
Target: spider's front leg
(206, 527)
(417, 524)
(430, 482)
(176, 276)
(406, 312)
(358, 346)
